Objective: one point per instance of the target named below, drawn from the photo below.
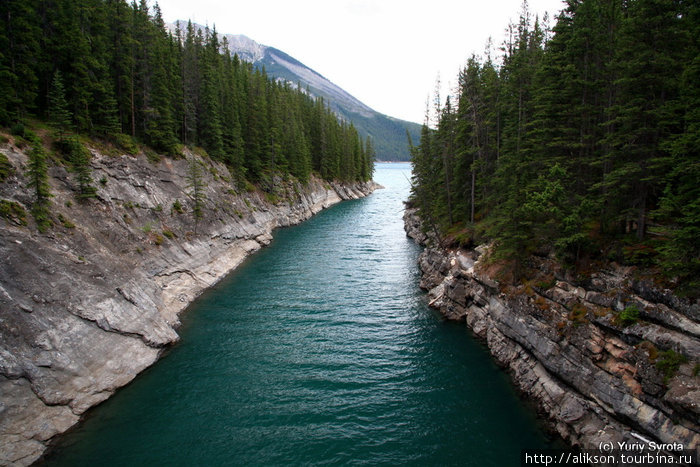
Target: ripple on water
(318, 350)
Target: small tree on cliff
(37, 172)
(59, 115)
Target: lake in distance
(318, 350)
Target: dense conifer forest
(582, 140)
(110, 70)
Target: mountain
(388, 134)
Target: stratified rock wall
(92, 302)
(594, 378)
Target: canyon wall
(611, 359)
(87, 305)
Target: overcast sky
(387, 53)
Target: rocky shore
(612, 358)
(95, 300)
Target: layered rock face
(593, 358)
(92, 302)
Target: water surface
(318, 350)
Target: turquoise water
(318, 350)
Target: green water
(318, 350)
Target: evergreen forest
(110, 70)
(580, 140)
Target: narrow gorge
(95, 300)
(613, 358)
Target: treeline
(583, 140)
(122, 75)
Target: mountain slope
(388, 134)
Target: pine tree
(80, 165)
(37, 172)
(59, 115)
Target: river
(318, 350)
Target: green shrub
(65, 222)
(6, 167)
(177, 207)
(13, 212)
(639, 254)
(42, 217)
(152, 156)
(628, 316)
(668, 363)
(126, 143)
(249, 187)
(169, 233)
(272, 198)
(158, 240)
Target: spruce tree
(80, 165)
(59, 115)
(37, 173)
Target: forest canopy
(582, 140)
(110, 69)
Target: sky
(387, 53)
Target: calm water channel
(318, 350)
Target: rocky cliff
(93, 301)
(609, 359)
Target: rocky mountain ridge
(95, 300)
(615, 361)
(388, 133)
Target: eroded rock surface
(92, 302)
(593, 377)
